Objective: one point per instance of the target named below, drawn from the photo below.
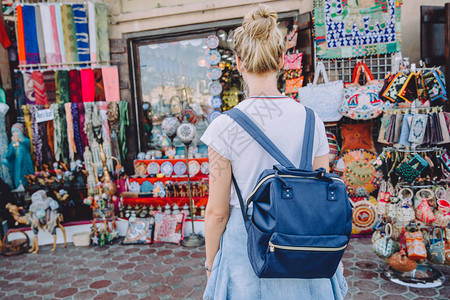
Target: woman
(259, 48)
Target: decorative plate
(153, 168)
(213, 57)
(140, 169)
(167, 168)
(204, 168)
(194, 168)
(364, 216)
(216, 102)
(212, 41)
(215, 88)
(180, 168)
(135, 187)
(214, 73)
(159, 188)
(214, 114)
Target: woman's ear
(238, 64)
(281, 64)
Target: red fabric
(20, 37)
(4, 39)
(39, 88)
(155, 201)
(88, 85)
(75, 86)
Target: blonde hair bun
(260, 22)
(259, 42)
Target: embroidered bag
(442, 214)
(384, 247)
(436, 247)
(399, 261)
(424, 213)
(407, 172)
(357, 136)
(384, 129)
(415, 246)
(418, 128)
(362, 102)
(394, 87)
(405, 211)
(293, 85)
(293, 61)
(324, 98)
(404, 133)
(434, 85)
(333, 145)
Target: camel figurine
(42, 215)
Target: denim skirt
(232, 276)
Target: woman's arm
(321, 162)
(218, 208)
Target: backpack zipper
(272, 247)
(288, 176)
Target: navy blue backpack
(302, 219)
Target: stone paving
(166, 271)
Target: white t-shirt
(282, 119)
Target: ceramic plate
(140, 169)
(159, 187)
(212, 41)
(214, 72)
(135, 187)
(215, 88)
(204, 168)
(153, 168)
(216, 102)
(213, 115)
(194, 168)
(213, 57)
(167, 168)
(180, 168)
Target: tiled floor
(164, 271)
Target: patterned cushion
(169, 228)
(139, 231)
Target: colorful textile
(4, 38)
(30, 34)
(19, 95)
(111, 83)
(62, 86)
(60, 30)
(169, 228)
(76, 129)
(101, 19)
(81, 117)
(56, 42)
(69, 122)
(29, 88)
(20, 36)
(123, 122)
(88, 85)
(92, 31)
(81, 27)
(99, 87)
(70, 40)
(39, 88)
(40, 35)
(49, 38)
(49, 82)
(47, 153)
(106, 132)
(75, 86)
(356, 28)
(37, 141)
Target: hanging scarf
(123, 122)
(57, 131)
(88, 111)
(88, 85)
(81, 27)
(92, 31)
(76, 130)
(75, 86)
(47, 154)
(49, 82)
(111, 83)
(39, 88)
(62, 86)
(70, 138)
(30, 33)
(28, 124)
(60, 30)
(101, 19)
(19, 95)
(81, 116)
(70, 41)
(54, 26)
(99, 88)
(50, 37)
(51, 135)
(40, 35)
(103, 107)
(28, 85)
(37, 140)
(20, 37)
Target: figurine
(43, 215)
(18, 158)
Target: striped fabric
(39, 88)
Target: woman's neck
(262, 85)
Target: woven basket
(81, 239)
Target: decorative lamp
(169, 126)
(186, 133)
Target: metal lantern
(186, 132)
(169, 126)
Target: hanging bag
(415, 245)
(384, 247)
(399, 261)
(324, 98)
(301, 220)
(362, 102)
(436, 247)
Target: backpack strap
(244, 121)
(308, 141)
